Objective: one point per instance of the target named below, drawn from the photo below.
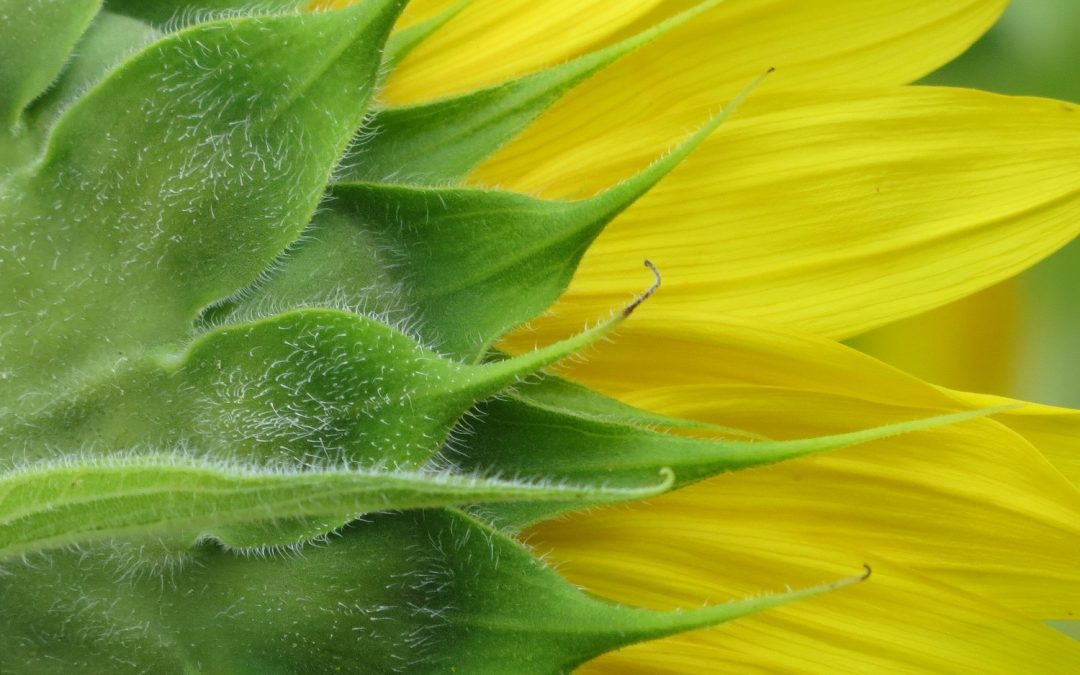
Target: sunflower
(833, 202)
(269, 353)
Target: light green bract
(252, 420)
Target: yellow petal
(822, 43)
(1055, 431)
(975, 504)
(686, 549)
(836, 213)
(813, 46)
(656, 348)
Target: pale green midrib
(512, 370)
(342, 484)
(659, 623)
(646, 423)
(627, 620)
(185, 526)
(712, 455)
(239, 492)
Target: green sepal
(319, 416)
(544, 625)
(515, 436)
(433, 143)
(311, 387)
(421, 592)
(470, 264)
(37, 39)
(178, 500)
(144, 208)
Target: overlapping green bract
(181, 500)
(422, 592)
(229, 326)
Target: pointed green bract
(425, 592)
(433, 143)
(468, 264)
(499, 626)
(309, 387)
(178, 500)
(558, 395)
(515, 436)
(312, 390)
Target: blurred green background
(1020, 338)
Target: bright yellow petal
(813, 46)
(1055, 431)
(821, 43)
(975, 504)
(687, 549)
(837, 213)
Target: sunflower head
(265, 406)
